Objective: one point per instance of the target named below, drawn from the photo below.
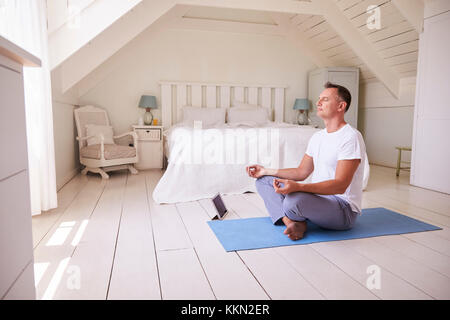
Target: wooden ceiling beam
(225, 26)
(280, 6)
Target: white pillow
(238, 115)
(95, 130)
(209, 117)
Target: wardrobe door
(15, 232)
(12, 123)
(430, 149)
(348, 79)
(316, 80)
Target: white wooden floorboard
(242, 207)
(182, 276)
(180, 272)
(55, 249)
(326, 277)
(43, 222)
(418, 252)
(168, 229)
(431, 282)
(227, 274)
(430, 240)
(444, 233)
(135, 271)
(279, 279)
(366, 203)
(90, 265)
(401, 190)
(355, 265)
(257, 201)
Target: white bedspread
(203, 162)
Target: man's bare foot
(294, 229)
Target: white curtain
(24, 22)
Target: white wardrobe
(431, 148)
(344, 76)
(16, 245)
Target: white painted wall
(66, 148)
(386, 122)
(431, 148)
(191, 55)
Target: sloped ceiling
(227, 14)
(332, 32)
(396, 41)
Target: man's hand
(285, 186)
(256, 171)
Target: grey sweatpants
(326, 211)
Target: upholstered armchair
(98, 151)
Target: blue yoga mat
(257, 233)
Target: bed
(209, 157)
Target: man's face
(329, 105)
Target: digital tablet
(220, 207)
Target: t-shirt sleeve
(350, 149)
(311, 146)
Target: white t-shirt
(327, 149)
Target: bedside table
(150, 147)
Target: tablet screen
(220, 206)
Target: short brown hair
(342, 92)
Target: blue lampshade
(148, 102)
(301, 104)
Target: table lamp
(148, 102)
(303, 106)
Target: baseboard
(69, 176)
(382, 165)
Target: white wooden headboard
(176, 94)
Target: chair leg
(85, 171)
(132, 169)
(103, 174)
(399, 159)
(97, 170)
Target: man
(335, 156)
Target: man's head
(333, 101)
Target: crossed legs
(326, 211)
